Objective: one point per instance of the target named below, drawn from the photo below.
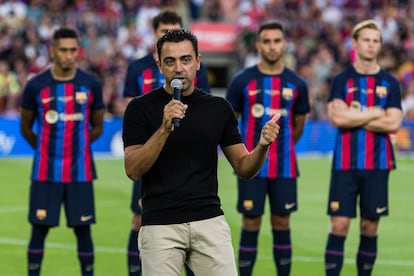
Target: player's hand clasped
(270, 131)
(174, 109)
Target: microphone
(176, 86)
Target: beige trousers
(204, 245)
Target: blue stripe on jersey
(382, 145)
(267, 99)
(360, 154)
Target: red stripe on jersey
(369, 135)
(272, 168)
(147, 80)
(346, 136)
(251, 120)
(69, 133)
(44, 136)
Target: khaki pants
(204, 245)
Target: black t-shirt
(182, 184)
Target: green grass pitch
(112, 193)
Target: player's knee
(280, 222)
(369, 227)
(252, 223)
(340, 226)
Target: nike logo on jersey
(380, 210)
(149, 81)
(86, 218)
(289, 206)
(47, 100)
(65, 99)
(254, 92)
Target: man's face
(368, 44)
(163, 28)
(178, 61)
(271, 45)
(64, 53)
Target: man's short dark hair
(270, 25)
(177, 36)
(65, 33)
(167, 17)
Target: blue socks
(35, 249)
(367, 253)
(334, 255)
(282, 251)
(134, 264)
(247, 252)
(85, 249)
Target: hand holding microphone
(176, 87)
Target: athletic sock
(334, 255)
(85, 249)
(247, 251)
(367, 253)
(35, 249)
(282, 251)
(134, 264)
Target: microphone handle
(176, 96)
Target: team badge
(51, 116)
(334, 205)
(81, 97)
(248, 205)
(287, 93)
(41, 214)
(381, 91)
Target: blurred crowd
(114, 32)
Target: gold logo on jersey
(355, 106)
(287, 93)
(334, 205)
(81, 97)
(41, 214)
(248, 205)
(381, 91)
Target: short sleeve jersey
(62, 114)
(358, 148)
(257, 97)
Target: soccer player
(66, 104)
(256, 93)
(143, 75)
(365, 106)
(182, 221)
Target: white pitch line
(10, 209)
(112, 249)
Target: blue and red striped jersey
(257, 97)
(143, 75)
(358, 148)
(63, 108)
